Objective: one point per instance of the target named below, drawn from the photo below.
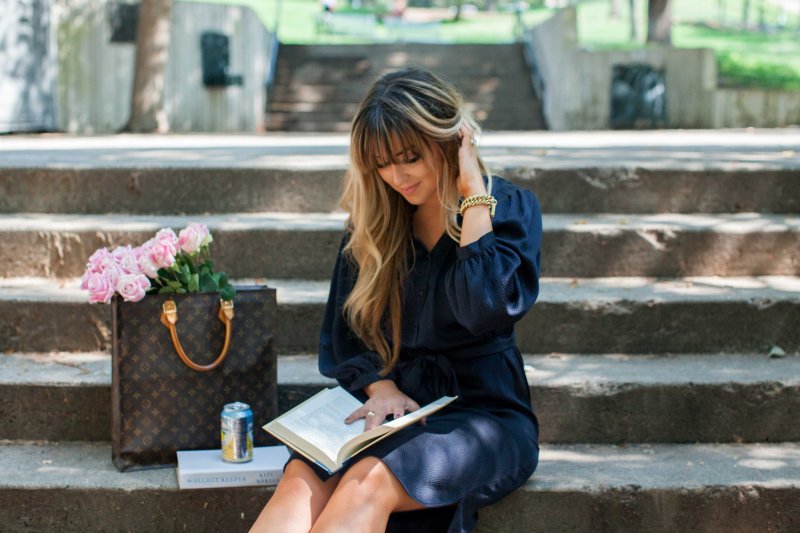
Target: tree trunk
(614, 11)
(634, 23)
(659, 21)
(152, 47)
(457, 16)
(745, 13)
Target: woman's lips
(409, 190)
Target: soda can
(237, 433)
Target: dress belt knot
(426, 378)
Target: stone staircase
(318, 87)
(671, 264)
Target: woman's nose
(397, 174)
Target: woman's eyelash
(406, 161)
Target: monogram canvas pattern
(159, 404)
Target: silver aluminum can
(237, 433)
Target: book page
(321, 420)
(368, 438)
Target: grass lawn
(745, 58)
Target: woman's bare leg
(363, 500)
(297, 501)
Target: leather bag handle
(169, 317)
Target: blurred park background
(756, 42)
(86, 66)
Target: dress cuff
(364, 379)
(474, 248)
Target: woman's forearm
(476, 221)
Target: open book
(316, 427)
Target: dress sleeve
(342, 355)
(495, 279)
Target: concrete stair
(589, 487)
(607, 398)
(671, 266)
(318, 87)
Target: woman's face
(412, 176)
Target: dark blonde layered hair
(423, 113)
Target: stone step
(525, 120)
(491, 112)
(666, 245)
(571, 172)
(344, 74)
(604, 488)
(353, 74)
(581, 315)
(506, 91)
(459, 52)
(577, 398)
(211, 190)
(456, 58)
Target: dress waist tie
(426, 376)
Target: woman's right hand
(384, 399)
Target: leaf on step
(776, 352)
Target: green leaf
(166, 274)
(181, 291)
(208, 283)
(166, 290)
(227, 293)
(194, 283)
(223, 280)
(175, 284)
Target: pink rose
(99, 261)
(132, 287)
(146, 265)
(127, 260)
(193, 237)
(100, 288)
(162, 248)
(112, 273)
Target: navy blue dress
(460, 307)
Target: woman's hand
(385, 399)
(470, 179)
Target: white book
(317, 430)
(205, 469)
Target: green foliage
(193, 273)
(745, 57)
(738, 71)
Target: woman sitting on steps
(438, 261)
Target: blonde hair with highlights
(424, 114)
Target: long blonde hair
(423, 113)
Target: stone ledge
(578, 398)
(592, 315)
(579, 245)
(576, 488)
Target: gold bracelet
(479, 199)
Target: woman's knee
(300, 475)
(376, 482)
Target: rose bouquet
(166, 264)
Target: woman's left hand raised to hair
(470, 179)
